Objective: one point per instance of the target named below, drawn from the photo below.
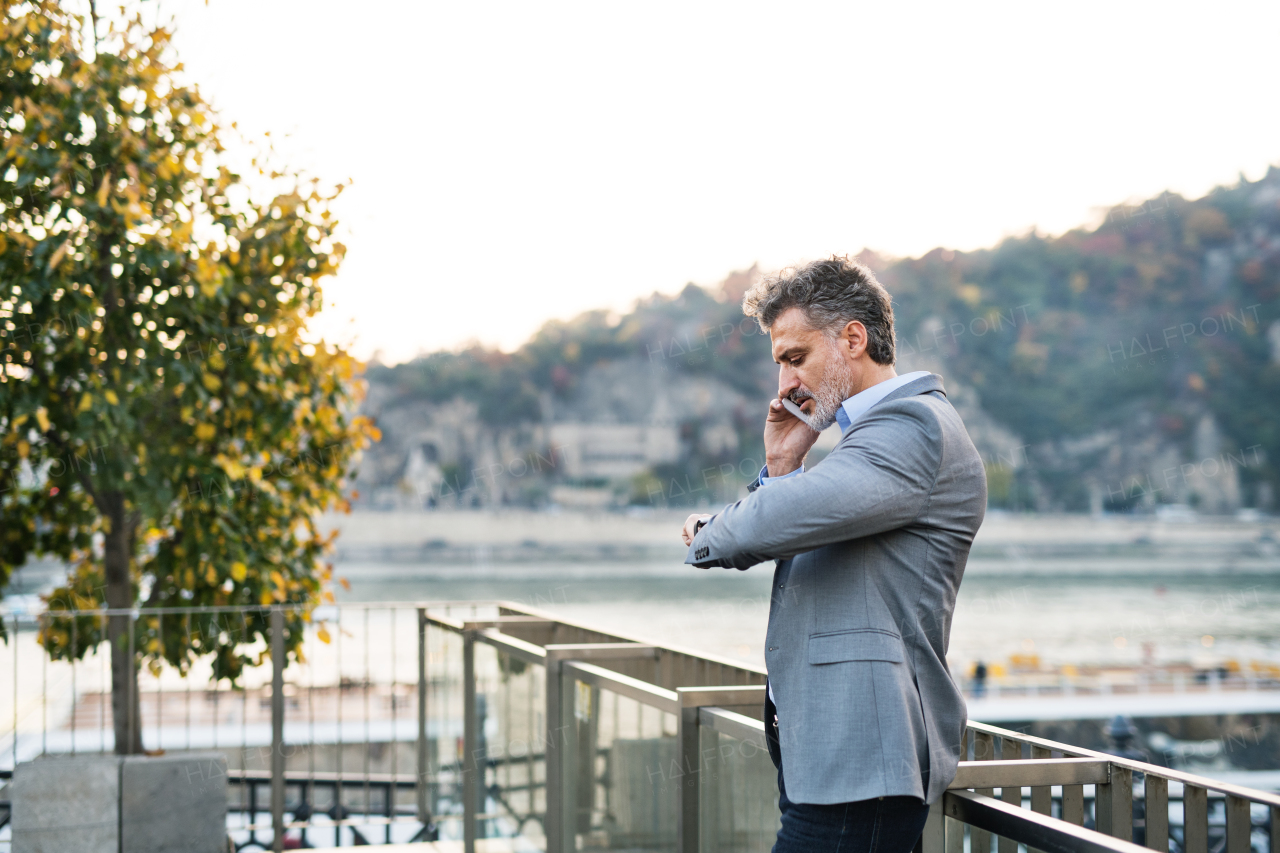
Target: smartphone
(790, 406)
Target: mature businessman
(862, 717)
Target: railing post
(1239, 825)
(1275, 828)
(1010, 750)
(1155, 802)
(689, 741)
(421, 790)
(984, 749)
(472, 776)
(1073, 804)
(934, 837)
(13, 642)
(131, 702)
(277, 729)
(952, 828)
(1195, 819)
(1041, 795)
(560, 749)
(1113, 805)
(253, 813)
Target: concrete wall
(139, 804)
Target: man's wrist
(781, 467)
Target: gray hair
(831, 293)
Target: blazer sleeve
(878, 478)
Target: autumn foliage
(166, 428)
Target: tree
(166, 428)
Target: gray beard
(831, 392)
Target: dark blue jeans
(882, 825)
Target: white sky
(518, 162)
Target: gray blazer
(870, 547)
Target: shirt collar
(857, 405)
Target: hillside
(1118, 368)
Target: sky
(513, 163)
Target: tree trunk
(125, 709)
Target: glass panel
(444, 730)
(739, 795)
(511, 707)
(628, 773)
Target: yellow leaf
(59, 254)
(204, 432)
(42, 416)
(208, 276)
(265, 598)
(322, 635)
(211, 382)
(112, 398)
(104, 189)
(23, 449)
(239, 571)
(86, 402)
(277, 579)
(211, 576)
(216, 361)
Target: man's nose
(788, 381)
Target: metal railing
(490, 719)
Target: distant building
(613, 451)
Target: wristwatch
(700, 523)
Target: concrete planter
(138, 804)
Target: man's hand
(691, 527)
(786, 438)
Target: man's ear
(854, 336)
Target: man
(862, 717)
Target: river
(1072, 613)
